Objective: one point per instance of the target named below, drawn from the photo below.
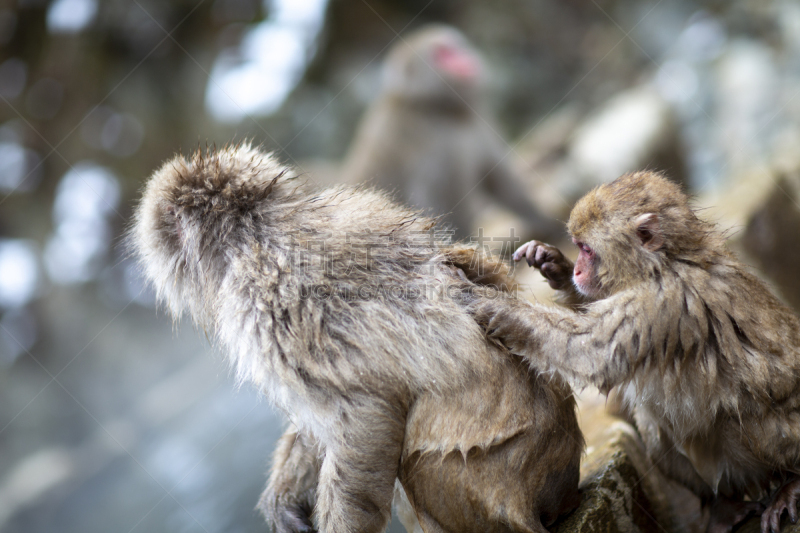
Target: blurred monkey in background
(426, 137)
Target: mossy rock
(618, 493)
(622, 491)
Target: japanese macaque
(426, 137)
(707, 359)
(346, 310)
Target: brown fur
(344, 308)
(426, 139)
(705, 356)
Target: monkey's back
(492, 451)
(488, 476)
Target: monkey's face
(455, 60)
(585, 273)
(437, 63)
(628, 229)
(614, 255)
(596, 265)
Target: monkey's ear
(648, 229)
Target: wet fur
(703, 353)
(346, 309)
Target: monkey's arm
(288, 501)
(599, 347)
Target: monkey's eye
(584, 248)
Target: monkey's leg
(726, 513)
(356, 482)
(784, 500)
(665, 456)
(288, 501)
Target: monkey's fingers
(496, 332)
(771, 519)
(289, 516)
(481, 312)
(530, 255)
(784, 500)
(545, 254)
(489, 317)
(535, 253)
(541, 254)
(524, 251)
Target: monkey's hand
(289, 499)
(287, 514)
(785, 500)
(549, 260)
(499, 320)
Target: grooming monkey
(344, 308)
(426, 138)
(705, 356)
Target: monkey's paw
(785, 500)
(489, 312)
(496, 317)
(549, 260)
(285, 516)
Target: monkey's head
(436, 63)
(629, 229)
(197, 218)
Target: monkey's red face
(584, 275)
(456, 62)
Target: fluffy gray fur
(344, 308)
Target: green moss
(618, 494)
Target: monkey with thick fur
(707, 358)
(426, 137)
(345, 309)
